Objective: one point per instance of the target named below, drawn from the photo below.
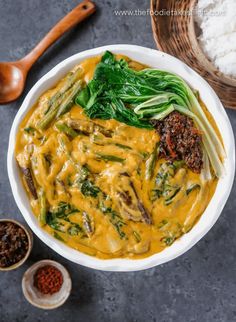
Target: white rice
(217, 21)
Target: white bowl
(154, 59)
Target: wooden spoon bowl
(13, 74)
(177, 35)
(12, 81)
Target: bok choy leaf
(137, 97)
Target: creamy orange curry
(88, 180)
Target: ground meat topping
(13, 244)
(180, 140)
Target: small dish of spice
(15, 244)
(46, 284)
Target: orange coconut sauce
(101, 225)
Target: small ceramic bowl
(30, 240)
(46, 301)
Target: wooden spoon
(13, 74)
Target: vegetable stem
(106, 157)
(69, 80)
(66, 129)
(192, 188)
(60, 106)
(43, 209)
(137, 236)
(151, 162)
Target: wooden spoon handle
(78, 14)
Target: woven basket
(176, 34)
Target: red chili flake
(170, 145)
(48, 279)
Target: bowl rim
(214, 208)
(37, 265)
(30, 241)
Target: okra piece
(151, 162)
(62, 127)
(29, 181)
(43, 208)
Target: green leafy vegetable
(163, 188)
(84, 173)
(168, 240)
(64, 210)
(136, 97)
(155, 194)
(101, 99)
(54, 223)
(29, 130)
(57, 236)
(86, 184)
(89, 189)
(57, 217)
(75, 229)
(115, 219)
(171, 232)
(169, 200)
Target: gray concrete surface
(200, 286)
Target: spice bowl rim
(30, 241)
(26, 284)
